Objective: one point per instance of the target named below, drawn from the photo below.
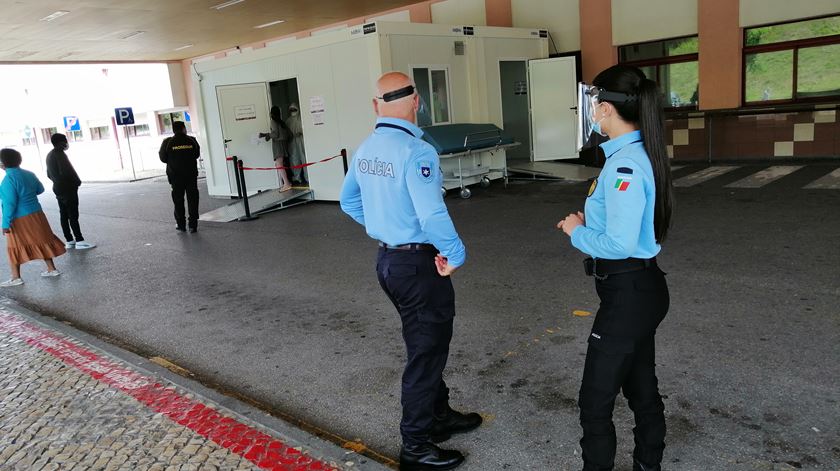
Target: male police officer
(180, 154)
(393, 189)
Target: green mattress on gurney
(455, 138)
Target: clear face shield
(589, 97)
(586, 104)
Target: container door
(244, 113)
(552, 93)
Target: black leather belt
(428, 247)
(601, 268)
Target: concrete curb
(315, 445)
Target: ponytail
(651, 123)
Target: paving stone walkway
(65, 405)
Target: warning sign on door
(245, 112)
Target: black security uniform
(180, 154)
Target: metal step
(263, 202)
(561, 171)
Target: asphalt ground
(285, 311)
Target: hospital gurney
(474, 147)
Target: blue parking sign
(124, 116)
(71, 123)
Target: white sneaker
(84, 245)
(70, 245)
(47, 274)
(12, 282)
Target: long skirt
(31, 238)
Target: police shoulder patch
(592, 187)
(625, 170)
(425, 171)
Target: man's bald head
(404, 107)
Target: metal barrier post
(247, 216)
(236, 176)
(344, 158)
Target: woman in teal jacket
(28, 234)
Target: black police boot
(193, 229)
(638, 466)
(452, 422)
(428, 457)
(180, 228)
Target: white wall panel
(460, 12)
(504, 49)
(560, 17)
(408, 51)
(321, 72)
(759, 12)
(635, 21)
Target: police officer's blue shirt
(393, 189)
(620, 207)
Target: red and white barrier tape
(289, 167)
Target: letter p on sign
(124, 116)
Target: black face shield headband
(397, 94)
(614, 97)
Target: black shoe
(452, 422)
(428, 457)
(180, 228)
(193, 230)
(638, 466)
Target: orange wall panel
(596, 48)
(499, 13)
(721, 42)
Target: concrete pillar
(420, 12)
(721, 43)
(596, 47)
(499, 13)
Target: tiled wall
(760, 136)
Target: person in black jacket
(66, 184)
(180, 154)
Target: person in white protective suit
(296, 148)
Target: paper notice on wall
(317, 108)
(244, 112)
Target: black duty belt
(425, 247)
(601, 268)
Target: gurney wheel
(466, 193)
(485, 182)
(443, 192)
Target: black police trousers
(180, 186)
(621, 357)
(426, 303)
(68, 210)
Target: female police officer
(627, 215)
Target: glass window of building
(137, 130)
(100, 133)
(792, 62)
(433, 88)
(165, 121)
(46, 134)
(672, 63)
(74, 136)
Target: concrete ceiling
(100, 30)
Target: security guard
(627, 215)
(393, 189)
(180, 154)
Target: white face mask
(596, 124)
